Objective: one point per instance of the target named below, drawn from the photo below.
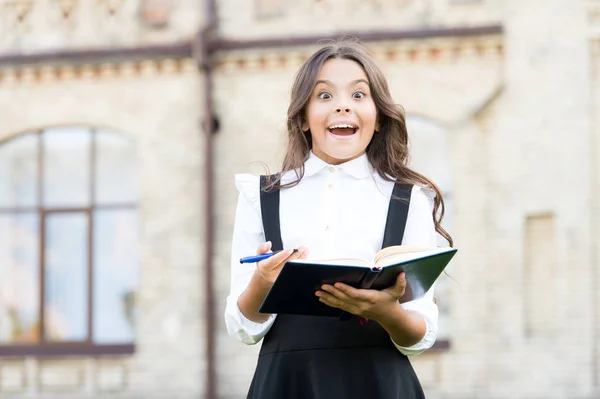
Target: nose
(339, 110)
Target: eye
(324, 95)
(359, 94)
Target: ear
(304, 126)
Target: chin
(342, 155)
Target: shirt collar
(359, 168)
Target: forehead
(341, 70)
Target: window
(68, 242)
(430, 155)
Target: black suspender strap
(397, 215)
(269, 209)
(394, 226)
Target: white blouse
(336, 211)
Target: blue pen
(257, 258)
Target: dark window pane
(115, 169)
(115, 275)
(66, 277)
(18, 172)
(19, 278)
(67, 167)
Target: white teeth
(342, 126)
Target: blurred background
(122, 123)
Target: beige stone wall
(538, 141)
(595, 187)
(241, 19)
(161, 111)
(524, 142)
(253, 117)
(521, 110)
(593, 14)
(44, 25)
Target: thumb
(397, 290)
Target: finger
(301, 253)
(333, 302)
(350, 292)
(335, 292)
(287, 254)
(275, 260)
(264, 248)
(330, 300)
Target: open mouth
(342, 129)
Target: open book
(293, 292)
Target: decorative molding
(422, 51)
(40, 74)
(418, 51)
(421, 46)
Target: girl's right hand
(268, 269)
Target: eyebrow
(330, 83)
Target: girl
(344, 191)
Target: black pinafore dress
(308, 357)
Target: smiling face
(340, 114)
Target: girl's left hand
(365, 303)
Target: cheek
(373, 114)
(315, 116)
(368, 112)
(369, 118)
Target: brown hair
(388, 150)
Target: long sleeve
(247, 236)
(420, 231)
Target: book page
(399, 253)
(387, 256)
(339, 262)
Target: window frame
(43, 347)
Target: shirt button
(330, 185)
(331, 169)
(326, 228)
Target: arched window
(68, 242)
(430, 155)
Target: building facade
(123, 122)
